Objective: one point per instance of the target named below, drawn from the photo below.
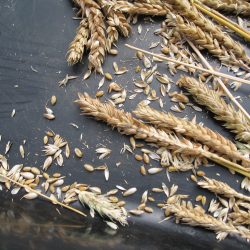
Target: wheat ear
(239, 217)
(128, 125)
(103, 206)
(76, 48)
(221, 188)
(185, 9)
(229, 6)
(204, 135)
(97, 41)
(196, 216)
(233, 120)
(141, 8)
(205, 41)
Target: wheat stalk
(76, 48)
(186, 213)
(212, 72)
(141, 8)
(233, 120)
(205, 41)
(128, 125)
(229, 6)
(42, 195)
(204, 135)
(185, 9)
(221, 188)
(103, 206)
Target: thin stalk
(222, 85)
(212, 72)
(222, 20)
(44, 196)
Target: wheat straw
(212, 72)
(43, 195)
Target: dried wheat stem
(221, 188)
(141, 8)
(205, 41)
(212, 72)
(204, 135)
(196, 216)
(76, 48)
(128, 125)
(43, 195)
(104, 207)
(233, 120)
(229, 6)
(97, 39)
(222, 20)
(184, 8)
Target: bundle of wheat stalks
(103, 21)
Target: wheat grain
(221, 188)
(76, 48)
(196, 216)
(206, 136)
(128, 125)
(238, 7)
(233, 119)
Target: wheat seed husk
(204, 135)
(233, 120)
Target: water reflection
(19, 224)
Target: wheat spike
(205, 41)
(128, 125)
(76, 48)
(97, 39)
(221, 188)
(238, 7)
(239, 217)
(196, 216)
(142, 8)
(185, 9)
(115, 18)
(104, 207)
(233, 119)
(204, 135)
